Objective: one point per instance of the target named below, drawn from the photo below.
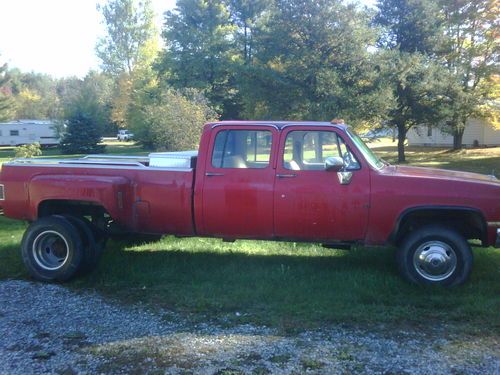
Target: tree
(199, 39)
(131, 38)
(82, 135)
(245, 14)
(131, 45)
(311, 61)
(87, 113)
(35, 95)
(171, 120)
(422, 92)
(7, 106)
(411, 31)
(470, 52)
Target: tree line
(404, 63)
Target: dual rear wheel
(56, 248)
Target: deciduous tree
(411, 31)
(7, 106)
(470, 52)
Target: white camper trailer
(22, 132)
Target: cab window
(308, 150)
(242, 149)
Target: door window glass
(308, 150)
(242, 149)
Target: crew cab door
(312, 203)
(238, 182)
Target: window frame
(272, 130)
(339, 138)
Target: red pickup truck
(289, 181)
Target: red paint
(307, 205)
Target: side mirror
(334, 163)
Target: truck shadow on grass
(290, 286)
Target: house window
(242, 149)
(14, 133)
(429, 130)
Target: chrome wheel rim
(50, 250)
(435, 260)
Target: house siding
(476, 131)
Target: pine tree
(82, 135)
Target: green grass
(285, 285)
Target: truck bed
(149, 194)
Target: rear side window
(242, 149)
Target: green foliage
(411, 30)
(313, 63)
(82, 135)
(172, 121)
(409, 25)
(7, 106)
(131, 36)
(91, 96)
(200, 45)
(470, 52)
(28, 151)
(36, 95)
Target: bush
(28, 151)
(172, 121)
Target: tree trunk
(458, 135)
(401, 143)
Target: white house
(21, 132)
(477, 133)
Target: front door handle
(289, 175)
(212, 174)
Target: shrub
(28, 151)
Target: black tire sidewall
(90, 253)
(436, 233)
(75, 249)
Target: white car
(124, 135)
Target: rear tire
(91, 246)
(435, 255)
(52, 249)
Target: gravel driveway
(50, 329)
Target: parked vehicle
(124, 135)
(285, 181)
(23, 132)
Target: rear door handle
(212, 174)
(279, 175)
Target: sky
(57, 37)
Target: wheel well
(468, 222)
(94, 211)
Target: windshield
(370, 157)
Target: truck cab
(269, 181)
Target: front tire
(52, 249)
(435, 255)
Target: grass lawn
(287, 285)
